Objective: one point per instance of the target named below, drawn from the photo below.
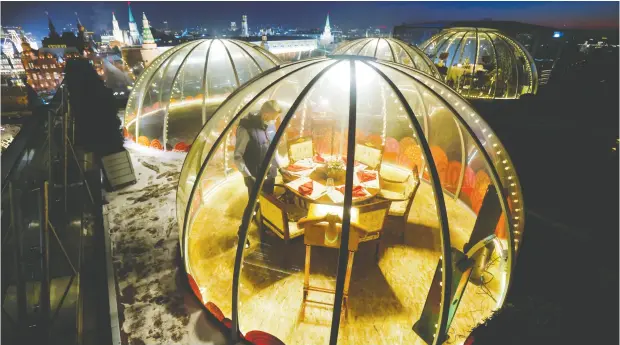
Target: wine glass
(330, 185)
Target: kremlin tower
(149, 49)
(327, 37)
(116, 30)
(134, 34)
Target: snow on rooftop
(155, 305)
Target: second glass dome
(482, 63)
(179, 91)
(392, 50)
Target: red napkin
(306, 188)
(358, 191)
(296, 168)
(365, 176)
(319, 159)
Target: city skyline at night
(96, 16)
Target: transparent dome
(416, 235)
(482, 63)
(179, 91)
(389, 49)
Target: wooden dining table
(317, 173)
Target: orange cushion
(142, 140)
(156, 144)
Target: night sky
(97, 15)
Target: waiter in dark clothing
(253, 137)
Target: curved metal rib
(232, 63)
(247, 214)
(440, 205)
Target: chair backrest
(273, 211)
(372, 216)
(299, 149)
(371, 156)
(413, 181)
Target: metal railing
(45, 199)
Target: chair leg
(403, 229)
(377, 250)
(306, 274)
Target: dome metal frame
(529, 65)
(164, 60)
(452, 101)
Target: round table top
(319, 175)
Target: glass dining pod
(179, 91)
(482, 63)
(389, 49)
(348, 200)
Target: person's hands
(285, 173)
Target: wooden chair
(323, 227)
(401, 194)
(276, 216)
(369, 155)
(300, 148)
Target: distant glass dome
(482, 63)
(441, 265)
(179, 91)
(389, 49)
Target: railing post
(65, 138)
(17, 256)
(44, 297)
(50, 143)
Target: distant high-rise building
(134, 34)
(244, 26)
(326, 36)
(233, 26)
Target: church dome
(422, 157)
(482, 63)
(179, 91)
(389, 49)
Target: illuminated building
(149, 48)
(326, 36)
(134, 34)
(44, 68)
(116, 31)
(244, 26)
(12, 40)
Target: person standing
(254, 134)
